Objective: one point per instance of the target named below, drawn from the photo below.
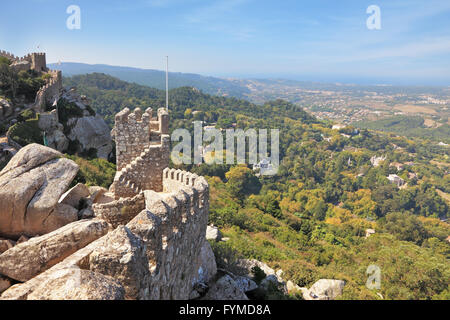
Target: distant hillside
(310, 219)
(156, 78)
(409, 126)
(109, 95)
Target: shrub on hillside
(67, 110)
(26, 132)
(95, 172)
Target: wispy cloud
(219, 16)
(213, 11)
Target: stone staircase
(122, 181)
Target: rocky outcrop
(272, 282)
(5, 283)
(96, 193)
(324, 289)
(30, 187)
(293, 288)
(28, 259)
(208, 266)
(77, 261)
(147, 246)
(73, 196)
(246, 269)
(6, 109)
(245, 284)
(6, 244)
(48, 122)
(87, 131)
(78, 284)
(225, 289)
(123, 258)
(92, 133)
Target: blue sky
(305, 40)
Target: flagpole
(167, 83)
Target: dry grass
(444, 195)
(410, 108)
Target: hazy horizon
(305, 78)
(309, 40)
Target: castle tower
(38, 62)
(142, 151)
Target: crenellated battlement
(8, 55)
(49, 92)
(37, 61)
(177, 179)
(142, 151)
(158, 216)
(172, 225)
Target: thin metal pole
(167, 83)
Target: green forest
(310, 218)
(409, 126)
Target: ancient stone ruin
(144, 240)
(85, 130)
(37, 62)
(142, 151)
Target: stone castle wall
(183, 217)
(9, 55)
(170, 224)
(142, 151)
(172, 227)
(48, 92)
(154, 247)
(121, 211)
(132, 132)
(37, 61)
(156, 255)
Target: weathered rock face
(78, 284)
(28, 259)
(5, 108)
(78, 260)
(291, 287)
(73, 196)
(30, 187)
(124, 258)
(6, 244)
(208, 266)
(155, 248)
(245, 284)
(5, 283)
(225, 289)
(92, 132)
(48, 122)
(57, 140)
(96, 193)
(246, 266)
(325, 289)
(270, 282)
